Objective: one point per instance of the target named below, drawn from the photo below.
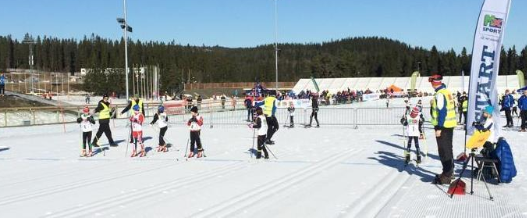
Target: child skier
(421, 119)
(412, 124)
(86, 121)
(162, 122)
(137, 131)
(486, 125)
(195, 123)
(261, 126)
(291, 110)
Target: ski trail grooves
(113, 203)
(77, 184)
(377, 197)
(74, 170)
(246, 200)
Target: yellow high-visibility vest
(450, 119)
(268, 105)
(105, 112)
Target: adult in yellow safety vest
(444, 121)
(104, 110)
(135, 101)
(465, 107)
(269, 112)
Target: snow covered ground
(334, 171)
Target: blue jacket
(2, 80)
(506, 167)
(508, 101)
(522, 103)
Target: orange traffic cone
(457, 187)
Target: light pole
(29, 40)
(126, 28)
(276, 41)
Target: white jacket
(263, 129)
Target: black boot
(95, 143)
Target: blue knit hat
(136, 107)
(489, 109)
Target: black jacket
(129, 106)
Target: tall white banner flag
(486, 62)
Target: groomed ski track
(326, 172)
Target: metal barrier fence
(27, 116)
(327, 116)
(217, 115)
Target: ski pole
(128, 141)
(252, 150)
(186, 149)
(82, 137)
(426, 144)
(270, 151)
(102, 148)
(202, 149)
(404, 141)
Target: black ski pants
(416, 139)
(460, 112)
(2, 89)
(421, 127)
(162, 132)
(86, 139)
(261, 147)
(314, 114)
(523, 114)
(104, 127)
(195, 140)
(446, 155)
(272, 126)
(509, 116)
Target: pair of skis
(187, 148)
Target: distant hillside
(351, 57)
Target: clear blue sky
(246, 23)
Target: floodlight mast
(124, 25)
(29, 40)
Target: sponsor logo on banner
(298, 103)
(492, 24)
